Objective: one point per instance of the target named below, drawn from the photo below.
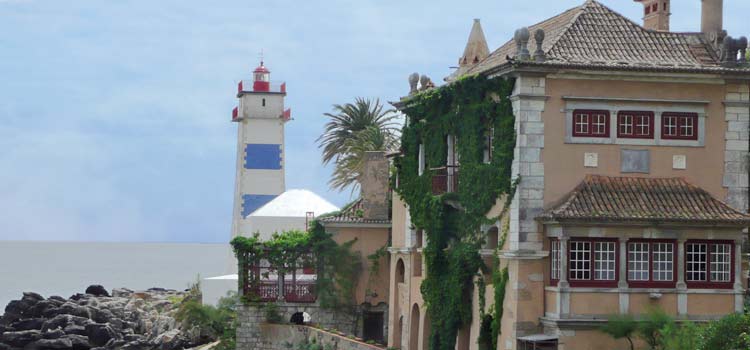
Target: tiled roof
(637, 199)
(352, 214)
(593, 35)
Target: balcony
(444, 179)
(246, 86)
(264, 281)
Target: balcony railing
(444, 179)
(264, 291)
(300, 292)
(247, 86)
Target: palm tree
(352, 130)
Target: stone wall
(251, 318)
(736, 158)
(255, 334)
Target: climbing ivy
(336, 265)
(470, 109)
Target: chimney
(712, 16)
(656, 14)
(374, 186)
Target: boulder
(121, 292)
(75, 329)
(75, 310)
(62, 321)
(5, 347)
(97, 290)
(59, 343)
(31, 296)
(79, 342)
(40, 308)
(100, 333)
(53, 333)
(56, 298)
(21, 338)
(28, 324)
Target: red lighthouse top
(261, 79)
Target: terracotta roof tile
(352, 214)
(593, 35)
(602, 198)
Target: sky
(115, 115)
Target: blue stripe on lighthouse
(251, 202)
(262, 156)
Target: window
(679, 126)
(593, 123)
(709, 264)
(555, 266)
(263, 102)
(488, 140)
(631, 124)
(593, 262)
(651, 263)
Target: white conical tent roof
(295, 203)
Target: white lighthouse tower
(260, 146)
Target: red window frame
(651, 283)
(553, 281)
(681, 119)
(708, 283)
(591, 282)
(589, 113)
(636, 117)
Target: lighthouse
(260, 119)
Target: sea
(66, 268)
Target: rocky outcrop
(97, 320)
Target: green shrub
(219, 322)
(683, 337)
(651, 326)
(621, 326)
(272, 313)
(729, 333)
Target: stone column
(737, 144)
(622, 280)
(739, 300)
(682, 297)
(563, 282)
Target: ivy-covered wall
(469, 109)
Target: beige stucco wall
(594, 303)
(368, 240)
(641, 303)
(565, 161)
(710, 304)
(398, 219)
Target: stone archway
(399, 279)
(414, 328)
(426, 330)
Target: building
(632, 153)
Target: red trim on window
(590, 123)
(708, 284)
(651, 283)
(681, 119)
(591, 282)
(634, 134)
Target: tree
(352, 130)
(621, 326)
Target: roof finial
(476, 47)
(261, 57)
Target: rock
(99, 334)
(79, 342)
(76, 297)
(18, 308)
(121, 292)
(57, 298)
(53, 333)
(21, 338)
(97, 290)
(5, 347)
(28, 324)
(75, 310)
(31, 296)
(75, 329)
(59, 343)
(40, 309)
(62, 321)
